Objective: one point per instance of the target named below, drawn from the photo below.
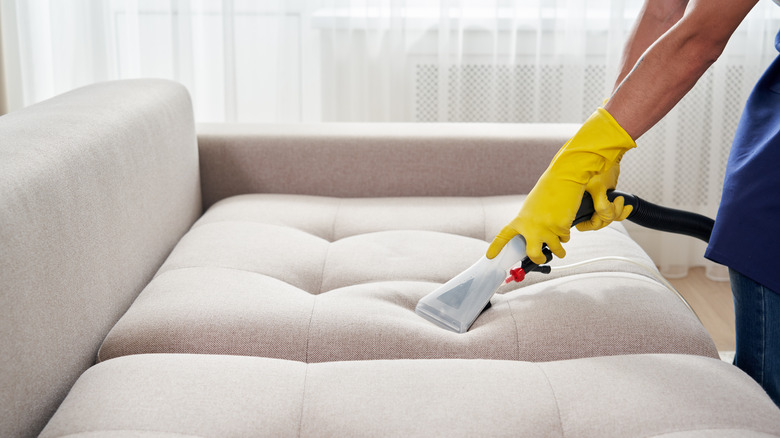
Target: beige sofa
(254, 280)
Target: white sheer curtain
(509, 61)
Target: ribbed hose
(654, 216)
(667, 219)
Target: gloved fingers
(554, 243)
(603, 208)
(592, 224)
(534, 243)
(588, 161)
(626, 212)
(618, 204)
(621, 209)
(499, 242)
(533, 249)
(621, 212)
(604, 212)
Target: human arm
(663, 74)
(655, 18)
(672, 65)
(670, 47)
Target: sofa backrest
(376, 159)
(96, 187)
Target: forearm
(673, 64)
(655, 18)
(662, 76)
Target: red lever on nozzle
(515, 274)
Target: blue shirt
(746, 236)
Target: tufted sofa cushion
(317, 279)
(215, 396)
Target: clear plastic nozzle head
(456, 304)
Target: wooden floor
(712, 302)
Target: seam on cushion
(322, 271)
(517, 330)
(246, 221)
(100, 349)
(308, 329)
(555, 397)
(319, 291)
(303, 400)
(227, 268)
(129, 430)
(712, 429)
(438, 283)
(327, 250)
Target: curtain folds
(513, 61)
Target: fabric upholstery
(96, 187)
(3, 81)
(319, 279)
(215, 396)
(376, 159)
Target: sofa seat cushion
(214, 395)
(319, 279)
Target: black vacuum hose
(654, 216)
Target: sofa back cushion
(96, 187)
(364, 160)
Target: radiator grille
(686, 151)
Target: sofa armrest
(96, 187)
(375, 159)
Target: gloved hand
(605, 211)
(549, 210)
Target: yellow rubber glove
(549, 210)
(605, 211)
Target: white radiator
(679, 163)
(687, 150)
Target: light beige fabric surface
(96, 187)
(319, 279)
(376, 159)
(3, 85)
(218, 396)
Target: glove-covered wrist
(549, 210)
(597, 146)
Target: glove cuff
(619, 135)
(598, 145)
